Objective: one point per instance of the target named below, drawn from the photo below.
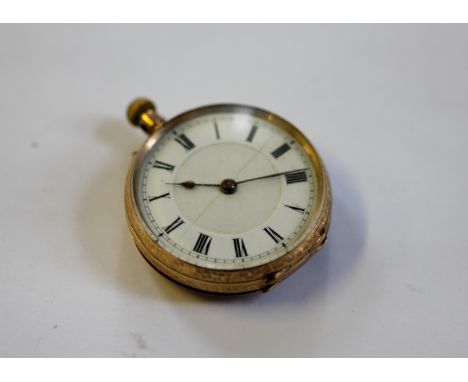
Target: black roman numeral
(280, 150)
(162, 165)
(171, 227)
(252, 132)
(298, 209)
(203, 244)
(296, 177)
(186, 143)
(239, 248)
(273, 234)
(166, 195)
(216, 130)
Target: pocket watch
(225, 198)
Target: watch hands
(191, 184)
(271, 175)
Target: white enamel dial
(186, 211)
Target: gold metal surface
(142, 113)
(259, 278)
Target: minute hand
(271, 175)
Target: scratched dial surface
(189, 213)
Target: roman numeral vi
(203, 244)
(239, 247)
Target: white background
(386, 106)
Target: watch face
(227, 187)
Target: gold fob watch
(225, 199)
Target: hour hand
(191, 184)
(227, 186)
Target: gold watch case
(142, 113)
